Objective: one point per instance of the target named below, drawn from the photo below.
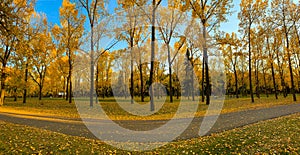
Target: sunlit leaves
(211, 13)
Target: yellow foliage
(20, 3)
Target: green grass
(276, 136)
(60, 107)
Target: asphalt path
(76, 127)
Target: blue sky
(51, 9)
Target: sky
(51, 9)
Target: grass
(61, 108)
(276, 136)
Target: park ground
(274, 136)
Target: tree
(283, 11)
(154, 7)
(132, 35)
(249, 15)
(277, 47)
(69, 37)
(95, 10)
(210, 13)
(24, 50)
(230, 48)
(43, 54)
(151, 17)
(140, 53)
(12, 20)
(104, 74)
(271, 39)
(167, 21)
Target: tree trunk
(257, 90)
(40, 92)
(3, 78)
(271, 56)
(236, 82)
(265, 81)
(131, 74)
(170, 74)
(286, 31)
(142, 82)
(191, 74)
(152, 108)
(64, 87)
(92, 67)
(15, 94)
(70, 81)
(192, 81)
(207, 81)
(281, 75)
(67, 88)
(274, 80)
(202, 83)
(290, 66)
(25, 87)
(250, 65)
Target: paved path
(227, 121)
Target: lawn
(61, 108)
(276, 136)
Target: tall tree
(69, 35)
(270, 48)
(192, 52)
(12, 20)
(43, 54)
(132, 35)
(283, 11)
(23, 52)
(151, 16)
(168, 20)
(210, 13)
(154, 7)
(95, 10)
(231, 54)
(249, 15)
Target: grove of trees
(39, 58)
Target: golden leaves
(20, 3)
(210, 11)
(68, 9)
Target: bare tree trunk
(64, 87)
(25, 87)
(192, 81)
(272, 68)
(250, 65)
(142, 81)
(40, 91)
(274, 80)
(131, 73)
(290, 68)
(15, 94)
(70, 81)
(67, 88)
(92, 67)
(202, 84)
(152, 108)
(265, 81)
(257, 90)
(207, 81)
(170, 74)
(236, 82)
(3, 78)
